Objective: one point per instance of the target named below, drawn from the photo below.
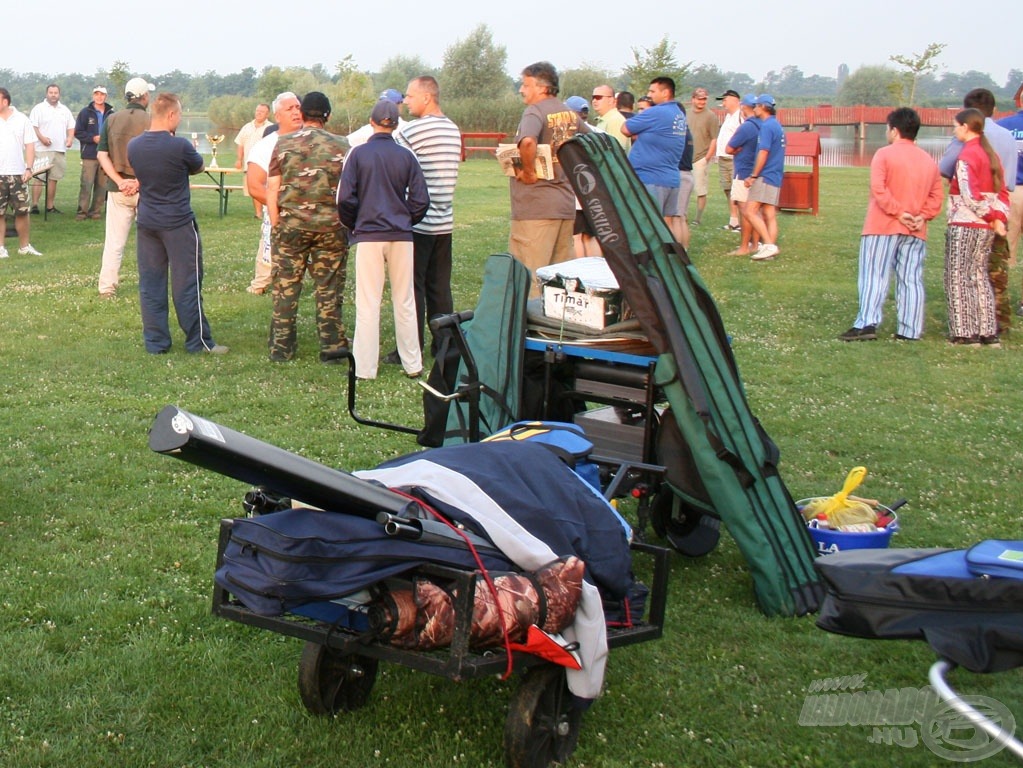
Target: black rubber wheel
(691, 532)
(542, 726)
(330, 682)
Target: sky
(817, 37)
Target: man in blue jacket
(381, 196)
(93, 190)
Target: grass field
(112, 658)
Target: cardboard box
(580, 308)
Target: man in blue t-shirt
(1014, 124)
(168, 236)
(764, 183)
(659, 138)
(742, 147)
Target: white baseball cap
(99, 89)
(137, 87)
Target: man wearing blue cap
(764, 183)
(742, 148)
(361, 135)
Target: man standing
(92, 192)
(288, 114)
(1004, 144)
(168, 236)
(382, 196)
(905, 193)
(742, 148)
(659, 139)
(609, 119)
(1014, 124)
(703, 124)
(306, 233)
(246, 139)
(542, 211)
(733, 118)
(764, 184)
(17, 154)
(437, 142)
(122, 187)
(55, 133)
(626, 104)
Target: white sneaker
(3, 252)
(28, 250)
(765, 252)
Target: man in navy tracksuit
(168, 236)
(382, 194)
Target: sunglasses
(601, 96)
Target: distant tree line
(479, 95)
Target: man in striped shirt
(437, 143)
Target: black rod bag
(925, 594)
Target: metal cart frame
(338, 666)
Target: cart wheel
(690, 531)
(330, 682)
(543, 723)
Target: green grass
(112, 658)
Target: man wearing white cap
(361, 135)
(122, 186)
(93, 189)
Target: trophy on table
(214, 139)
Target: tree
(398, 70)
(917, 64)
(352, 97)
(475, 67)
(873, 86)
(120, 74)
(582, 81)
(658, 61)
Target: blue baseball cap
(392, 96)
(749, 100)
(765, 99)
(577, 104)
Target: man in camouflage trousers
(307, 233)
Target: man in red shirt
(905, 193)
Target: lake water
(840, 149)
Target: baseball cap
(315, 104)
(99, 89)
(385, 114)
(577, 103)
(392, 96)
(765, 98)
(728, 93)
(137, 87)
(749, 100)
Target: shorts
(764, 194)
(582, 225)
(726, 171)
(740, 194)
(14, 195)
(700, 173)
(59, 167)
(685, 192)
(665, 198)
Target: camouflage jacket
(309, 164)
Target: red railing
(825, 114)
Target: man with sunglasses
(609, 119)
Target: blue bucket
(828, 542)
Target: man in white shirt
(17, 153)
(733, 119)
(55, 133)
(288, 114)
